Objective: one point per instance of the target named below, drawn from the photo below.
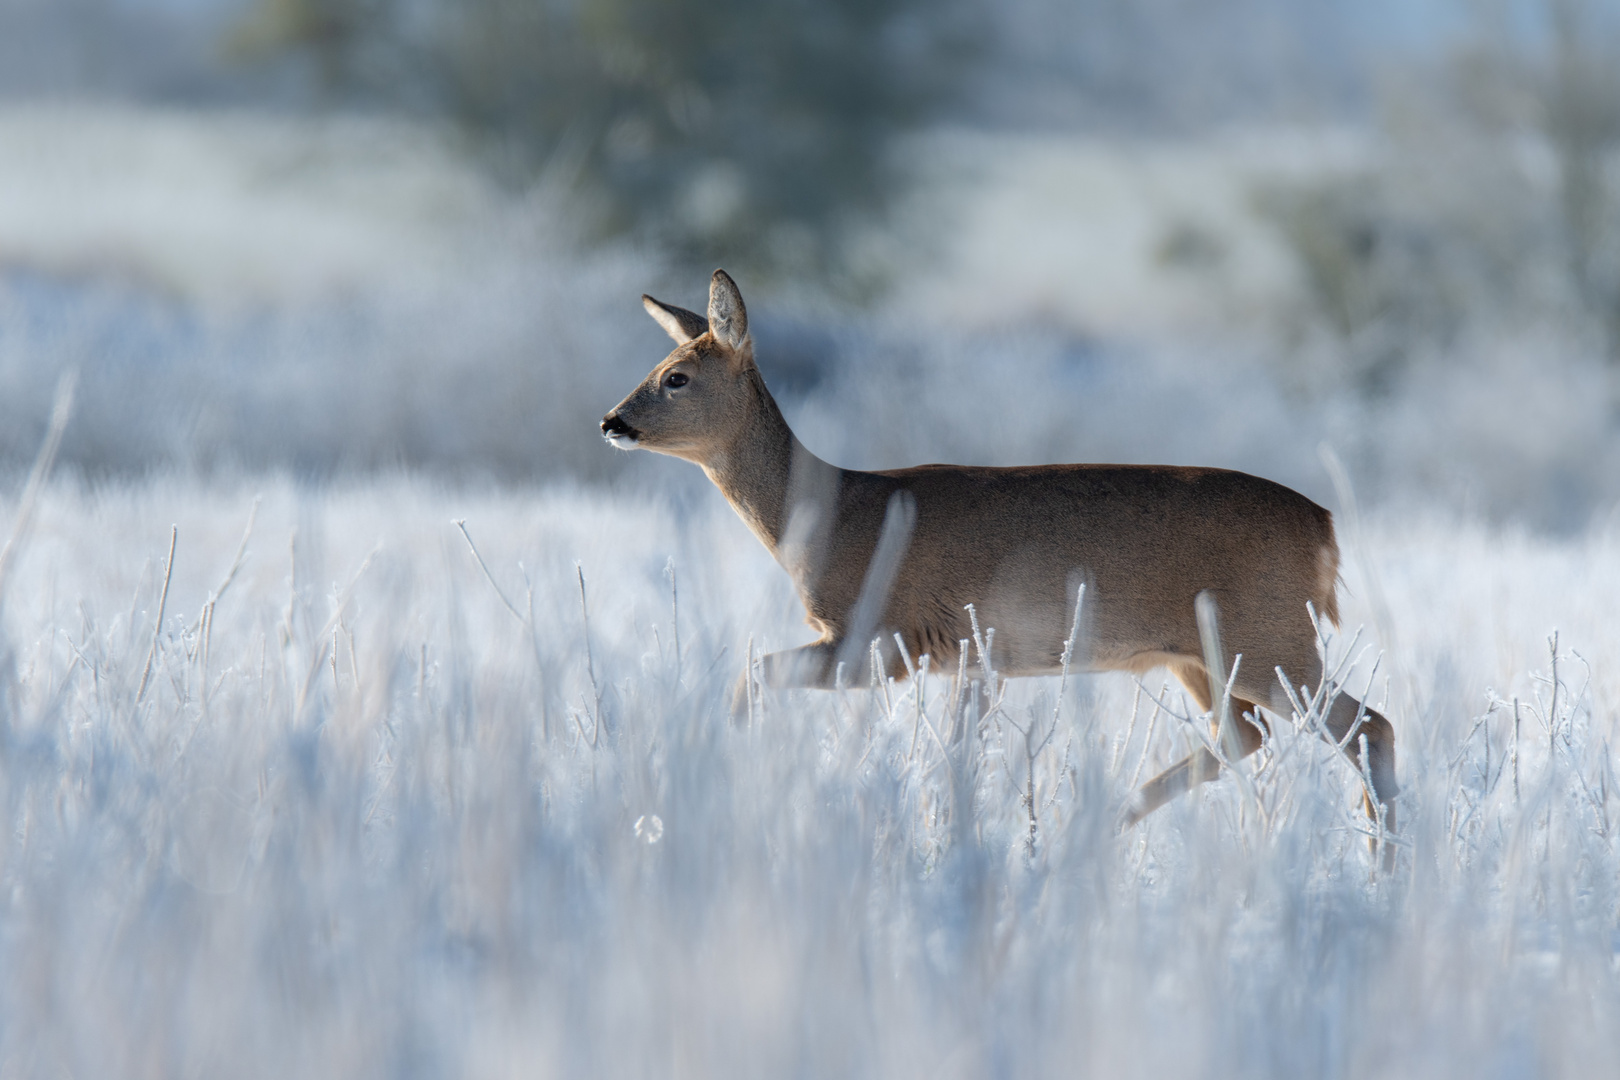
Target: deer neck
(760, 470)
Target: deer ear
(728, 319)
(678, 323)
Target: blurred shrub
(1170, 65)
(1493, 202)
(1571, 98)
(1379, 279)
(760, 131)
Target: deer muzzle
(619, 433)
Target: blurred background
(321, 237)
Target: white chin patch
(623, 442)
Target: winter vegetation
(398, 779)
(363, 715)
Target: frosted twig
(1068, 649)
(590, 663)
(674, 613)
(461, 523)
(336, 617)
(748, 681)
(1122, 745)
(1147, 739)
(899, 519)
(61, 413)
(1209, 634)
(163, 602)
(235, 568)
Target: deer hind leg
(1200, 765)
(1380, 765)
(1341, 727)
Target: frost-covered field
(355, 804)
(357, 809)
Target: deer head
(702, 397)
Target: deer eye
(676, 379)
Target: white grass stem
(61, 413)
(163, 603)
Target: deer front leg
(814, 666)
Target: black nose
(612, 425)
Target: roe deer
(1145, 539)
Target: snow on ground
(363, 808)
(366, 819)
